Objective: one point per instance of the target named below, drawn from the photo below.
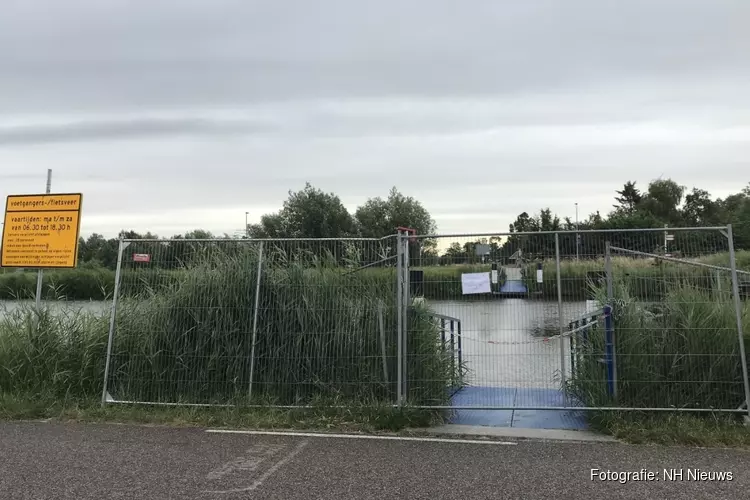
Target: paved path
(86, 461)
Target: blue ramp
(551, 418)
(513, 289)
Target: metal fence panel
(284, 322)
(544, 325)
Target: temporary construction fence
(626, 319)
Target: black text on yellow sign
(41, 231)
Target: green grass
(714, 430)
(322, 417)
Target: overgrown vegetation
(681, 352)
(321, 335)
(646, 278)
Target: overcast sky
(183, 114)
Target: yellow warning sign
(41, 231)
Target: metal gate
(586, 320)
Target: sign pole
(40, 273)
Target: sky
(175, 115)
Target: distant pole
(578, 236)
(40, 273)
(247, 231)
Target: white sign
(539, 276)
(475, 283)
(493, 276)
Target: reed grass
(681, 351)
(189, 338)
(440, 282)
(648, 279)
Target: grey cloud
(511, 105)
(121, 129)
(108, 54)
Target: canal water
(505, 342)
(97, 307)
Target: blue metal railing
(450, 332)
(578, 336)
(578, 333)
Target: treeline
(312, 213)
(664, 202)
(308, 213)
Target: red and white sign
(141, 257)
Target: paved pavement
(87, 461)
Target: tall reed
(681, 351)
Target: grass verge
(713, 430)
(364, 418)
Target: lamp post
(578, 236)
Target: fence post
(400, 320)
(255, 322)
(738, 318)
(113, 315)
(561, 320)
(407, 308)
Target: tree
(378, 218)
(309, 213)
(628, 199)
(663, 201)
(699, 209)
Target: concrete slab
(549, 419)
(518, 433)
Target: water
(504, 342)
(97, 307)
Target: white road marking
(271, 471)
(362, 436)
(249, 462)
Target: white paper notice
(493, 276)
(475, 283)
(539, 276)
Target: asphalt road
(87, 461)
